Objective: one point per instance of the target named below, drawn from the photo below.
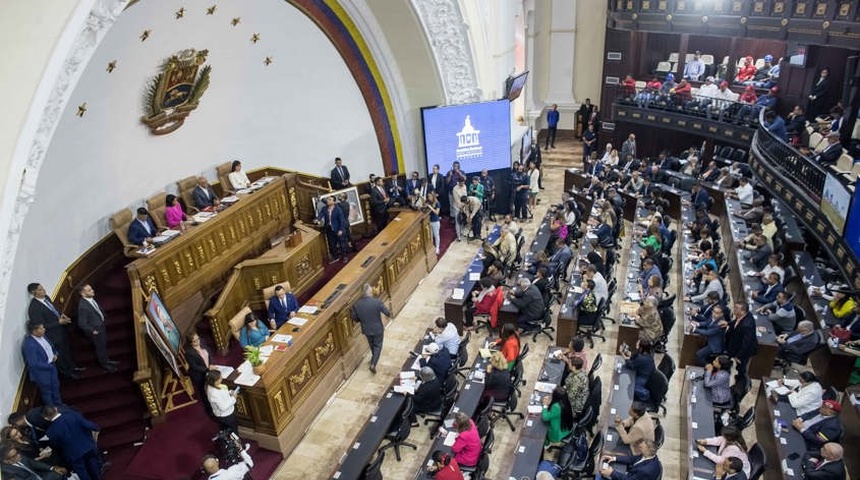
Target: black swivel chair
(758, 461)
(373, 470)
(398, 435)
(598, 361)
(592, 329)
(505, 410)
(659, 435)
(658, 386)
(583, 467)
(667, 367)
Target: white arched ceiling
(70, 173)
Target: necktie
(384, 196)
(99, 310)
(284, 302)
(146, 226)
(340, 172)
(206, 192)
(51, 307)
(329, 217)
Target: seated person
(851, 324)
(506, 244)
(806, 398)
(713, 284)
(253, 333)
(652, 238)
(743, 193)
(587, 304)
(282, 307)
(561, 258)
(497, 382)
(841, 304)
(437, 359)
(482, 303)
(822, 428)
(237, 177)
(446, 336)
(509, 341)
(635, 184)
(576, 386)
(203, 195)
(467, 446)
(826, 465)
(753, 214)
(428, 396)
(15, 466)
(642, 465)
(575, 350)
(759, 252)
(173, 213)
(142, 229)
(780, 312)
(529, 302)
(641, 361)
(717, 378)
(558, 415)
(747, 71)
(637, 426)
(444, 467)
(730, 443)
(649, 269)
(20, 438)
(772, 267)
(795, 347)
(648, 320)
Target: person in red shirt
(749, 95)
(510, 343)
(628, 87)
(683, 92)
(444, 467)
(746, 72)
(652, 88)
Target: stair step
(117, 437)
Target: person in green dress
(558, 415)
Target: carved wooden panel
(299, 377)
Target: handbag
(841, 334)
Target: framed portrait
(158, 314)
(355, 215)
(162, 347)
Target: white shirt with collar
(449, 339)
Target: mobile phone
(604, 466)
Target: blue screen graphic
(478, 135)
(852, 225)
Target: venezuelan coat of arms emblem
(175, 92)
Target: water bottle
(776, 428)
(725, 417)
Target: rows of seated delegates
(724, 324)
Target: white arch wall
(105, 160)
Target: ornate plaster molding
(50, 101)
(448, 35)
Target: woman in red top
(749, 95)
(444, 468)
(510, 342)
(747, 72)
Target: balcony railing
(791, 163)
(693, 105)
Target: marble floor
(339, 422)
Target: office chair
(373, 470)
(505, 410)
(758, 461)
(400, 432)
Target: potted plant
(252, 356)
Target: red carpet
(174, 449)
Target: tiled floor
(338, 423)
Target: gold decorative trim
(322, 352)
(298, 380)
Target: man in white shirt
(743, 192)
(773, 267)
(446, 336)
(694, 69)
(601, 290)
(237, 472)
(806, 399)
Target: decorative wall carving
(448, 36)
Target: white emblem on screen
(468, 141)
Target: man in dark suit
(831, 153)
(584, 114)
(203, 195)
(339, 177)
(818, 94)
(436, 183)
(75, 438)
(43, 311)
(91, 319)
(39, 355)
(367, 310)
(795, 346)
(15, 466)
(732, 468)
(529, 302)
(282, 307)
(822, 428)
(334, 222)
(142, 228)
(828, 465)
(379, 202)
(644, 465)
(709, 327)
(741, 341)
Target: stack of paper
(246, 376)
(297, 321)
(224, 369)
(544, 387)
(281, 338)
(535, 409)
(450, 439)
(230, 199)
(458, 294)
(474, 276)
(309, 309)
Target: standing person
(489, 193)
(436, 184)
(223, 402)
(43, 311)
(628, 148)
(474, 214)
(339, 175)
(199, 358)
(39, 355)
(91, 319)
(457, 204)
(367, 310)
(379, 203)
(741, 342)
(452, 178)
(534, 186)
(818, 94)
(589, 139)
(336, 227)
(434, 209)
(585, 112)
(552, 117)
(75, 437)
(521, 193)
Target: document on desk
(230, 199)
(416, 365)
(485, 352)
(535, 409)
(225, 370)
(458, 294)
(309, 309)
(450, 439)
(544, 387)
(298, 321)
(281, 338)
(246, 375)
(266, 350)
(474, 276)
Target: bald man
(828, 465)
(212, 466)
(203, 195)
